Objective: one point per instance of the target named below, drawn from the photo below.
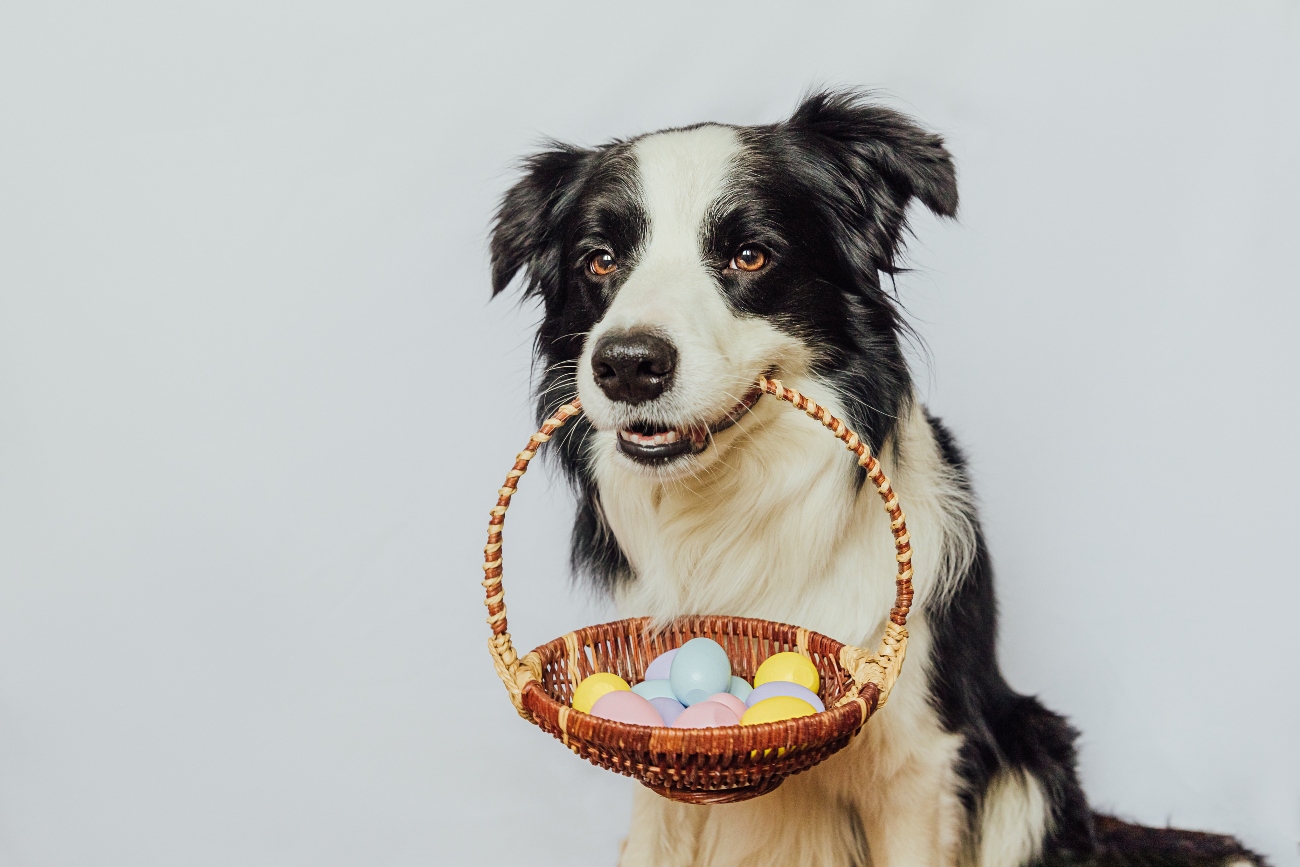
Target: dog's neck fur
(778, 528)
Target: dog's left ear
(867, 162)
(525, 235)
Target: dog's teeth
(660, 439)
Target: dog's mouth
(648, 443)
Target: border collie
(675, 268)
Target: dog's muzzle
(655, 444)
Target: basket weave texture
(713, 765)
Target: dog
(675, 268)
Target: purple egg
(784, 687)
(669, 709)
(661, 666)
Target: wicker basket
(713, 765)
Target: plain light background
(254, 400)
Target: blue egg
(784, 687)
(700, 669)
(661, 665)
(649, 689)
(669, 708)
(695, 696)
(740, 688)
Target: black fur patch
(1122, 844)
(1001, 729)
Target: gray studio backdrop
(254, 400)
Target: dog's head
(676, 267)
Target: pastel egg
(648, 689)
(662, 664)
(625, 706)
(669, 708)
(740, 688)
(700, 669)
(775, 709)
(593, 687)
(788, 666)
(784, 687)
(737, 706)
(706, 715)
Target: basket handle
(880, 668)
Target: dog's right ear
(526, 233)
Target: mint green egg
(649, 689)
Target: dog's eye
(749, 259)
(602, 263)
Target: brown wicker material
(714, 765)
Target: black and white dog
(674, 269)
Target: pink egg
(705, 715)
(738, 706)
(626, 707)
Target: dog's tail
(1124, 844)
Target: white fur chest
(776, 528)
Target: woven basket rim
(848, 717)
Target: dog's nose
(634, 366)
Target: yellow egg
(775, 709)
(594, 687)
(792, 667)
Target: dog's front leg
(904, 824)
(664, 833)
(907, 797)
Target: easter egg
(737, 706)
(700, 669)
(784, 687)
(625, 706)
(740, 688)
(669, 708)
(649, 689)
(706, 715)
(662, 664)
(775, 709)
(594, 687)
(788, 666)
